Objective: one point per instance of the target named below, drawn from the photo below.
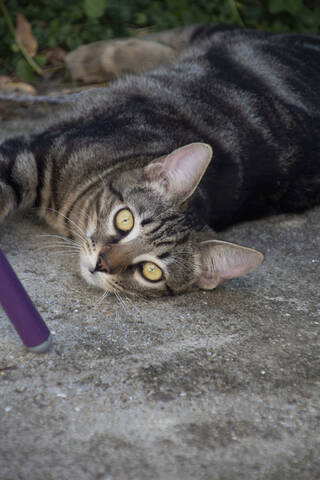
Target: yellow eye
(151, 272)
(124, 220)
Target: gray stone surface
(217, 386)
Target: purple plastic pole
(23, 314)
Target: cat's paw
(7, 200)
(104, 60)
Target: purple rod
(23, 314)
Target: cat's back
(284, 66)
(222, 69)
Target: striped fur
(254, 97)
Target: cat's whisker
(121, 301)
(51, 246)
(66, 255)
(60, 237)
(103, 296)
(82, 211)
(84, 240)
(82, 234)
(62, 245)
(59, 253)
(80, 238)
(64, 248)
(53, 250)
(137, 295)
(130, 302)
(70, 254)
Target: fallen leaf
(6, 84)
(4, 80)
(25, 36)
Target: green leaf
(94, 8)
(15, 48)
(141, 19)
(24, 71)
(40, 60)
(310, 17)
(291, 6)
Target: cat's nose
(102, 265)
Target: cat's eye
(124, 220)
(151, 272)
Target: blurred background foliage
(68, 24)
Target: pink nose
(102, 265)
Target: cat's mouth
(94, 277)
(91, 266)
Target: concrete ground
(217, 386)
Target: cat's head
(141, 239)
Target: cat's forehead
(140, 195)
(145, 199)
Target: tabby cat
(136, 173)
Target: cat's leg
(18, 176)
(7, 200)
(30, 178)
(104, 60)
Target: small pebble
(62, 395)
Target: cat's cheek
(87, 262)
(91, 227)
(87, 267)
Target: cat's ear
(179, 173)
(221, 261)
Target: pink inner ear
(222, 261)
(234, 261)
(181, 171)
(153, 170)
(233, 268)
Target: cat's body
(255, 98)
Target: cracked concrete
(216, 386)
